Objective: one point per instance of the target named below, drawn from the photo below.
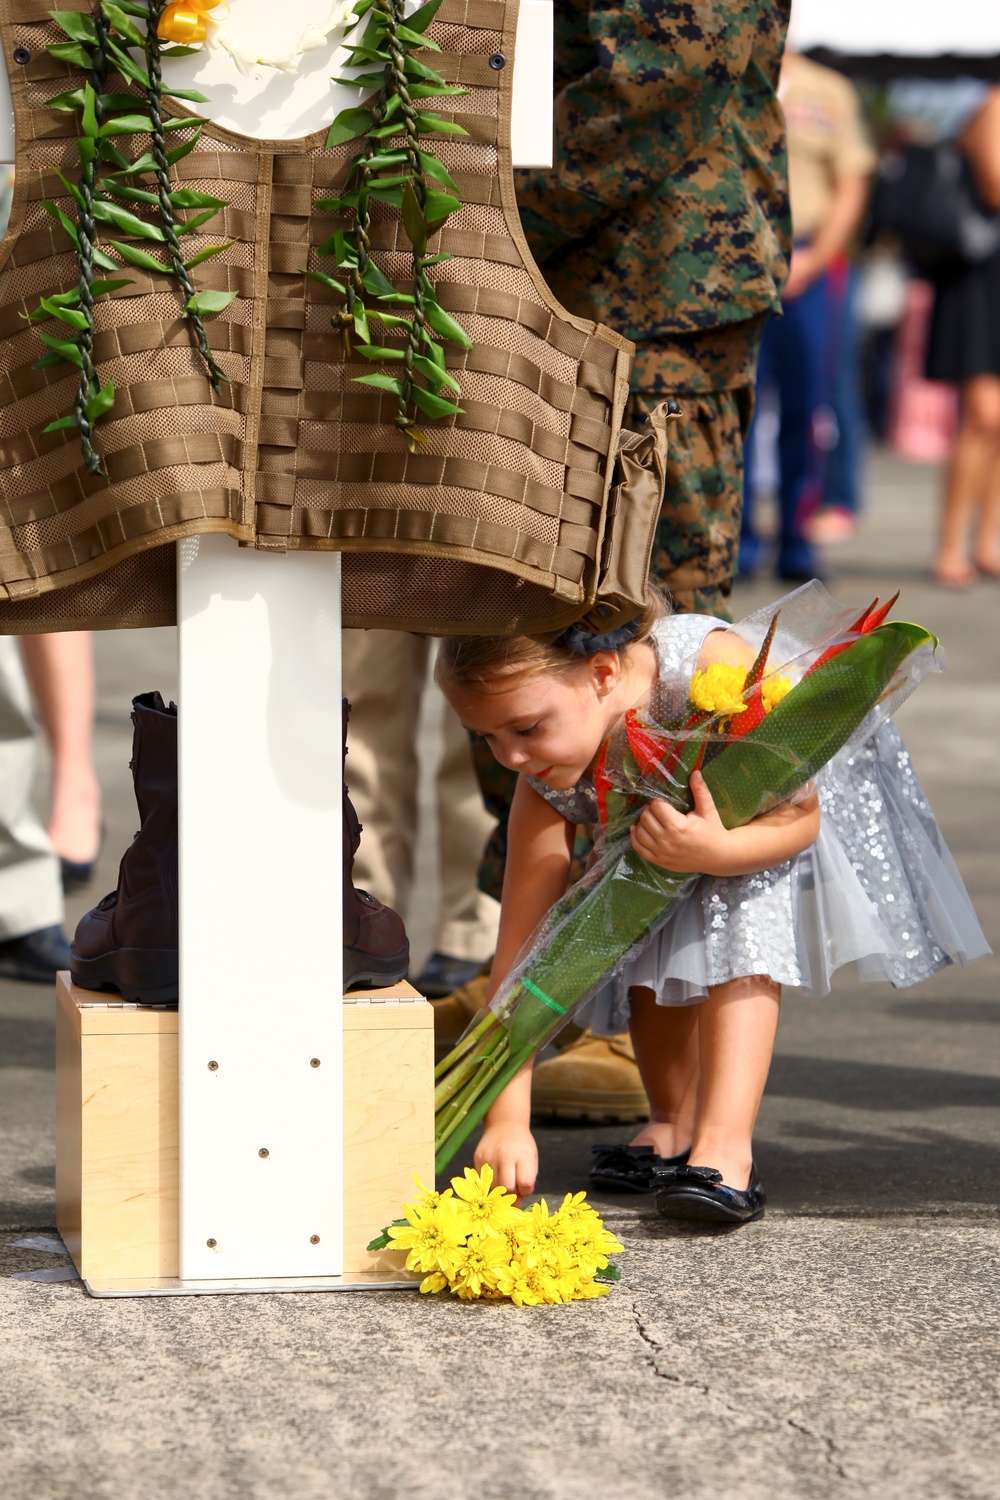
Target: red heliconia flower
(602, 783)
(656, 754)
(869, 619)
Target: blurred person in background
(964, 348)
(385, 681)
(60, 669)
(830, 163)
(32, 942)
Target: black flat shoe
(35, 957)
(699, 1195)
(629, 1169)
(76, 873)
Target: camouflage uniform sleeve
(663, 72)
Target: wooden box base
(116, 1128)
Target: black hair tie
(584, 643)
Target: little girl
(856, 870)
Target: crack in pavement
(652, 1360)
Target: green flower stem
(85, 257)
(458, 1075)
(465, 1112)
(469, 1039)
(168, 223)
(587, 937)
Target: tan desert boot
(593, 1078)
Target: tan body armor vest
(501, 523)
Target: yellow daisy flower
(588, 1289)
(430, 1197)
(484, 1257)
(482, 1205)
(434, 1237)
(529, 1285)
(545, 1238)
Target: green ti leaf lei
(102, 45)
(395, 167)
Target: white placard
(260, 911)
(270, 105)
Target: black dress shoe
(629, 1169)
(699, 1195)
(442, 975)
(76, 873)
(35, 957)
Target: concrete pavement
(847, 1345)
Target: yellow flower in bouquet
(721, 689)
(482, 1205)
(433, 1237)
(473, 1240)
(773, 689)
(547, 1239)
(718, 689)
(483, 1258)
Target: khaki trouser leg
(385, 677)
(469, 918)
(30, 889)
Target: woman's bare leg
(60, 669)
(665, 1038)
(970, 483)
(986, 548)
(736, 1030)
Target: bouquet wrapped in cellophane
(803, 679)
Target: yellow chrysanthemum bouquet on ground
(474, 1241)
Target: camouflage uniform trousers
(697, 536)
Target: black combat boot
(128, 942)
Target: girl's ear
(606, 671)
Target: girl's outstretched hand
(694, 843)
(510, 1149)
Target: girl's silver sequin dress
(878, 888)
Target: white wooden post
(260, 795)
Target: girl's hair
(477, 660)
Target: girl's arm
(539, 850)
(697, 842)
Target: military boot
(593, 1078)
(376, 949)
(128, 942)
